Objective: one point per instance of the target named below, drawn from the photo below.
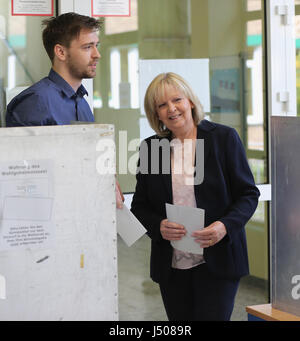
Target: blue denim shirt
(51, 101)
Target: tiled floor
(139, 296)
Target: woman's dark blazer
(227, 194)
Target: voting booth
(286, 214)
(58, 245)
(285, 221)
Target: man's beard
(80, 74)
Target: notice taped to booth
(26, 202)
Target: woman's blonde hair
(156, 90)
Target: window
(124, 91)
(253, 5)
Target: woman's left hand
(210, 235)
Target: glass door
(23, 60)
(231, 35)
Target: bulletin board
(58, 245)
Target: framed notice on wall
(32, 7)
(110, 8)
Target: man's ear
(60, 52)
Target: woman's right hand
(171, 231)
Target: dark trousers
(195, 295)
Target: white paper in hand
(128, 227)
(192, 219)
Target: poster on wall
(110, 8)
(32, 7)
(225, 90)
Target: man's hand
(119, 195)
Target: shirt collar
(64, 86)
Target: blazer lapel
(204, 134)
(167, 178)
(167, 181)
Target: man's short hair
(64, 28)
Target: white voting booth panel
(58, 249)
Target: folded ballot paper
(192, 219)
(128, 227)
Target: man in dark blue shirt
(71, 41)
(50, 101)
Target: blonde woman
(193, 286)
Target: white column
(281, 58)
(281, 63)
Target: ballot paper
(192, 219)
(128, 227)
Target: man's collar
(81, 91)
(64, 86)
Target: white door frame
(281, 58)
(281, 67)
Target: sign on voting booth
(58, 245)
